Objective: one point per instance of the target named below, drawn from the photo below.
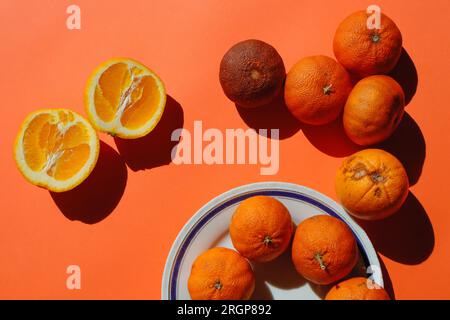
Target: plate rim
(261, 186)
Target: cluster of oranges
(324, 251)
(371, 184)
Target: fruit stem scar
(267, 241)
(218, 285)
(375, 37)
(377, 177)
(327, 90)
(254, 74)
(319, 259)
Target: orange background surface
(136, 201)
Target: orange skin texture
(357, 289)
(374, 109)
(252, 73)
(261, 228)
(372, 184)
(324, 249)
(316, 89)
(363, 51)
(221, 274)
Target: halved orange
(56, 149)
(124, 98)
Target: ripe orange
(316, 89)
(261, 228)
(56, 149)
(324, 249)
(374, 110)
(124, 98)
(363, 51)
(221, 274)
(358, 288)
(372, 184)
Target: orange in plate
(221, 274)
(261, 228)
(124, 98)
(358, 288)
(324, 249)
(56, 149)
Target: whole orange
(252, 73)
(221, 274)
(363, 51)
(372, 184)
(324, 249)
(358, 288)
(316, 89)
(373, 110)
(261, 228)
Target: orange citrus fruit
(324, 249)
(372, 184)
(261, 228)
(221, 274)
(316, 89)
(358, 288)
(56, 149)
(363, 51)
(124, 98)
(374, 109)
(252, 73)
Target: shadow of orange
(95, 198)
(272, 116)
(405, 73)
(387, 279)
(406, 237)
(154, 149)
(330, 138)
(279, 273)
(408, 145)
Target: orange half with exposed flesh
(56, 149)
(124, 98)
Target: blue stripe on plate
(209, 215)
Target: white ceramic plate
(278, 279)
